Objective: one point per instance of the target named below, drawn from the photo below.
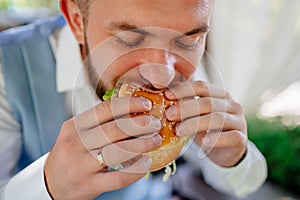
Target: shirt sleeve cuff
(240, 180)
(28, 183)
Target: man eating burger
(102, 150)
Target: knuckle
(228, 95)
(208, 104)
(113, 128)
(145, 145)
(108, 132)
(151, 143)
(66, 145)
(133, 147)
(203, 88)
(201, 84)
(112, 154)
(238, 107)
(219, 118)
(218, 115)
(135, 103)
(103, 107)
(244, 124)
(183, 85)
(67, 132)
(69, 124)
(143, 121)
(240, 138)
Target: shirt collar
(69, 70)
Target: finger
(123, 166)
(104, 182)
(233, 138)
(109, 110)
(136, 165)
(194, 88)
(125, 150)
(194, 107)
(214, 121)
(118, 130)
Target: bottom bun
(166, 154)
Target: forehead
(179, 15)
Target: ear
(74, 18)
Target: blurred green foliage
(4, 4)
(51, 4)
(281, 147)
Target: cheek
(187, 62)
(185, 68)
(121, 65)
(95, 33)
(186, 73)
(94, 39)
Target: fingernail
(147, 162)
(155, 123)
(157, 139)
(147, 103)
(169, 94)
(171, 113)
(180, 130)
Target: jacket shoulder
(42, 27)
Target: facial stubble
(93, 77)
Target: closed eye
(131, 38)
(188, 43)
(131, 43)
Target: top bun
(171, 144)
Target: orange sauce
(160, 104)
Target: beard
(93, 78)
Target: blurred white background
(19, 12)
(255, 45)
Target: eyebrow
(124, 26)
(200, 29)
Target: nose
(159, 75)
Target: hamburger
(171, 146)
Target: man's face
(163, 40)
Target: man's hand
(214, 116)
(71, 172)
